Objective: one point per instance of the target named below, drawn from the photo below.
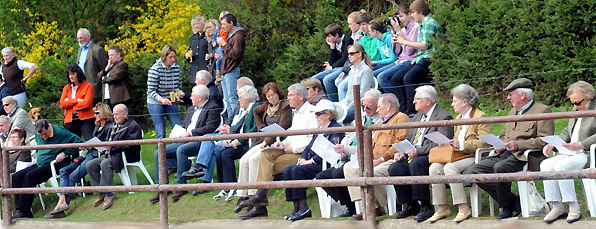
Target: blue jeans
(228, 86)
(172, 155)
(207, 157)
(379, 66)
(159, 113)
(327, 78)
(384, 75)
(218, 50)
(182, 163)
(70, 174)
(342, 87)
(350, 115)
(21, 98)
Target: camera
(79, 160)
(388, 21)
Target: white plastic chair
(128, 175)
(376, 83)
(342, 111)
(522, 186)
(329, 207)
(590, 185)
(475, 200)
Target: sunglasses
(353, 53)
(96, 112)
(364, 107)
(5, 105)
(319, 113)
(577, 103)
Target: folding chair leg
(590, 192)
(144, 170)
(475, 201)
(523, 198)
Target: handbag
(446, 154)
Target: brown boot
(99, 200)
(108, 202)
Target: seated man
(5, 125)
(273, 161)
(101, 170)
(415, 162)
(201, 118)
(204, 78)
(347, 148)
(19, 117)
(382, 149)
(40, 171)
(518, 137)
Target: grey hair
(5, 118)
(205, 75)
(466, 93)
(8, 50)
(10, 99)
(582, 87)
(428, 92)
(201, 90)
(123, 107)
(300, 90)
(86, 32)
(42, 124)
(529, 92)
(249, 92)
(391, 99)
(373, 94)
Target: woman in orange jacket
(77, 102)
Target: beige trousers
(273, 161)
(380, 190)
(249, 163)
(439, 192)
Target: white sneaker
(231, 195)
(222, 194)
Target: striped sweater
(162, 80)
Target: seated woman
(211, 151)
(309, 164)
(17, 138)
(274, 110)
(465, 100)
(581, 134)
(360, 74)
(314, 89)
(379, 31)
(71, 174)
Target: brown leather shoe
(255, 201)
(155, 199)
(109, 200)
(99, 200)
(254, 212)
(177, 195)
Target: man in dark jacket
(201, 118)
(124, 128)
(230, 64)
(203, 78)
(92, 58)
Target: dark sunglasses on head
(577, 103)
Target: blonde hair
(354, 16)
(197, 19)
(210, 23)
(582, 87)
(167, 49)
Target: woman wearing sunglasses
(360, 74)
(580, 134)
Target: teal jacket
(61, 136)
(385, 47)
(370, 46)
(248, 126)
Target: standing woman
(77, 103)
(12, 69)
(210, 28)
(465, 100)
(360, 74)
(163, 78)
(198, 46)
(580, 134)
(116, 87)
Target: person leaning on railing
(41, 171)
(465, 142)
(581, 134)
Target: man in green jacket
(40, 171)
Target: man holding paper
(580, 134)
(273, 160)
(201, 118)
(415, 162)
(518, 137)
(310, 163)
(382, 149)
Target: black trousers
(226, 168)
(340, 194)
(300, 172)
(29, 178)
(503, 163)
(84, 127)
(406, 80)
(417, 167)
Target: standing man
(230, 64)
(115, 79)
(92, 59)
(518, 137)
(415, 162)
(40, 172)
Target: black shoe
(178, 195)
(513, 210)
(411, 209)
(238, 208)
(254, 212)
(287, 217)
(155, 199)
(193, 172)
(255, 201)
(516, 207)
(299, 216)
(22, 214)
(198, 192)
(346, 213)
(425, 213)
(57, 215)
(171, 171)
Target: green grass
(136, 207)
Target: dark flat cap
(519, 83)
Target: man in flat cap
(518, 137)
